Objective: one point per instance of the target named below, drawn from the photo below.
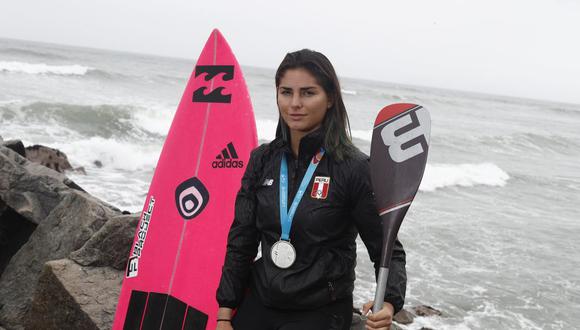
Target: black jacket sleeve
(242, 244)
(368, 223)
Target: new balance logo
(227, 158)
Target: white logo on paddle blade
(395, 143)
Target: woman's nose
(296, 102)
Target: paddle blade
(399, 150)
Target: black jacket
(323, 232)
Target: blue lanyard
(285, 216)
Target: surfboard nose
(216, 44)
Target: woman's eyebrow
(301, 88)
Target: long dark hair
(335, 125)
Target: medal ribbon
(285, 216)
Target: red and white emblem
(317, 158)
(320, 187)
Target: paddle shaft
(381, 287)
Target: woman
(305, 196)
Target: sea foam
(366, 135)
(348, 92)
(464, 175)
(113, 154)
(41, 68)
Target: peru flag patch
(320, 187)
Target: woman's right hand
(224, 325)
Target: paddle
(399, 150)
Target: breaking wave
(439, 176)
(44, 69)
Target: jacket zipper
(294, 178)
(331, 291)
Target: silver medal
(283, 254)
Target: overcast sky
(527, 48)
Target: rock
(28, 188)
(110, 245)
(358, 323)
(15, 145)
(424, 310)
(403, 317)
(98, 163)
(80, 170)
(65, 229)
(69, 296)
(3, 207)
(65, 219)
(14, 232)
(49, 157)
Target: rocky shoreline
(62, 251)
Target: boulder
(110, 246)
(30, 189)
(65, 229)
(403, 317)
(3, 207)
(15, 145)
(49, 157)
(424, 310)
(358, 323)
(14, 232)
(70, 296)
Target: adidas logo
(227, 158)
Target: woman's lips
(297, 116)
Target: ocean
(491, 238)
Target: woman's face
(302, 101)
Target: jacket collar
(309, 145)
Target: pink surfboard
(175, 262)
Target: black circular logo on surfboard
(191, 198)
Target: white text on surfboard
(133, 264)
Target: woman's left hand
(381, 320)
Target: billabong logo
(191, 197)
(227, 158)
(215, 95)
